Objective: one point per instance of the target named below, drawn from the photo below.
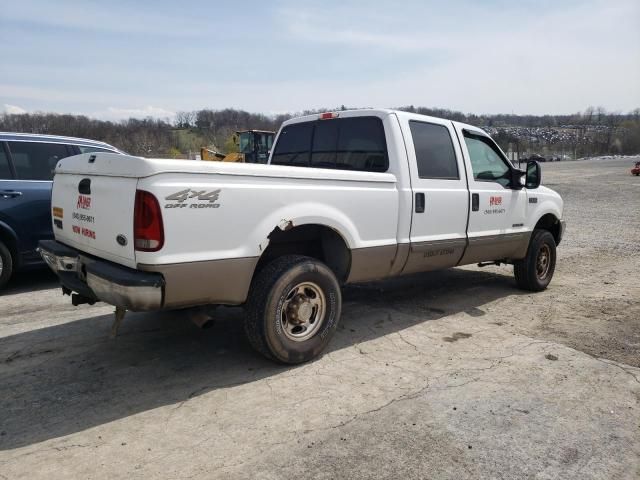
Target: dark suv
(27, 162)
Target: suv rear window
(356, 143)
(36, 160)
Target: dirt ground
(453, 374)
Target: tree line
(592, 132)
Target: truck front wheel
(534, 272)
(293, 309)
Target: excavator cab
(255, 145)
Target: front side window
(35, 160)
(5, 171)
(486, 162)
(435, 156)
(356, 143)
(246, 142)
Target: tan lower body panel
(511, 246)
(435, 255)
(372, 263)
(211, 282)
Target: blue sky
(115, 59)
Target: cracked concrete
(450, 374)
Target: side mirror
(516, 179)
(534, 174)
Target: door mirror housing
(516, 179)
(534, 174)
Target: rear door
(27, 198)
(496, 220)
(441, 198)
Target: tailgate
(94, 214)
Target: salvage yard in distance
(448, 374)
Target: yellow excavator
(253, 147)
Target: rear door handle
(10, 194)
(420, 201)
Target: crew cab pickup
(350, 196)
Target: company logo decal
(84, 202)
(495, 202)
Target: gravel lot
(453, 374)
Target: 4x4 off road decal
(199, 199)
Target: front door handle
(475, 202)
(420, 202)
(10, 194)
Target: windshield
(246, 142)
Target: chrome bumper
(101, 280)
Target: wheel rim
(1, 265)
(543, 262)
(303, 311)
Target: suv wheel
(293, 309)
(6, 265)
(535, 271)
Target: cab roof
(382, 112)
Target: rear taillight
(148, 230)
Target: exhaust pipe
(201, 318)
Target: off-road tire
(527, 271)
(7, 265)
(268, 295)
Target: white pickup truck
(350, 196)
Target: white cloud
(104, 17)
(13, 109)
(115, 113)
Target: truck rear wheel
(534, 272)
(293, 309)
(6, 265)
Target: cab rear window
(356, 143)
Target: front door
(440, 195)
(497, 212)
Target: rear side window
(293, 145)
(356, 143)
(5, 171)
(84, 149)
(435, 155)
(35, 160)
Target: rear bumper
(104, 281)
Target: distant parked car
(27, 162)
(538, 158)
(636, 170)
